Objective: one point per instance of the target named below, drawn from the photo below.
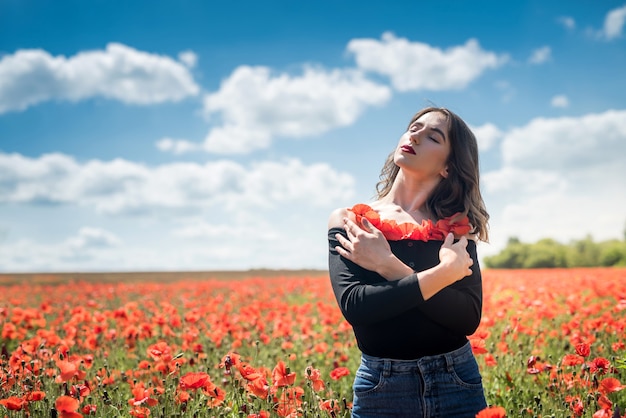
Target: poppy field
(552, 343)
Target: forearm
(463, 306)
(431, 281)
(366, 297)
(393, 269)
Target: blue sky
(194, 135)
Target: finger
(367, 226)
(342, 252)
(345, 243)
(349, 227)
(448, 241)
(463, 241)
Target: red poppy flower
(478, 345)
(492, 412)
(610, 385)
(314, 375)
(604, 402)
(248, 372)
(339, 372)
(67, 406)
(160, 351)
(142, 395)
(281, 375)
(427, 230)
(89, 409)
(605, 405)
(330, 405)
(194, 380)
(217, 396)
(260, 414)
(80, 391)
(600, 365)
(259, 387)
(182, 396)
(13, 403)
(490, 360)
(69, 370)
(36, 395)
(140, 412)
(583, 349)
(572, 360)
(617, 346)
(577, 406)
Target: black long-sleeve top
(391, 319)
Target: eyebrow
(440, 133)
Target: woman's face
(424, 148)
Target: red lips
(407, 148)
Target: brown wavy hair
(460, 191)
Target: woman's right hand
(454, 258)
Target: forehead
(434, 119)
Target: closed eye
(417, 126)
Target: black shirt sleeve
(458, 307)
(365, 297)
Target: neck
(411, 194)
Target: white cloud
(614, 23)
(568, 142)
(220, 214)
(564, 176)
(568, 22)
(177, 146)
(506, 89)
(189, 58)
(200, 229)
(540, 55)
(293, 238)
(119, 72)
(87, 247)
(562, 215)
(560, 100)
(486, 135)
(418, 66)
(123, 187)
(256, 106)
(515, 181)
(89, 237)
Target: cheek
(442, 158)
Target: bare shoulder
(336, 217)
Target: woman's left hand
(365, 246)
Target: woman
(406, 277)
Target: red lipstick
(408, 149)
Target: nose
(415, 137)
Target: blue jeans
(446, 385)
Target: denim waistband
(422, 364)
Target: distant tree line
(547, 253)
